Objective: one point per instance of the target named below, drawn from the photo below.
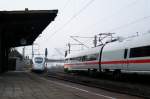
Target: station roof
(23, 27)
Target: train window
(72, 58)
(91, 57)
(38, 60)
(125, 53)
(140, 52)
(83, 58)
(78, 58)
(66, 60)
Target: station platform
(26, 85)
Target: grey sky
(124, 17)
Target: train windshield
(38, 60)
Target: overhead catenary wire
(130, 23)
(83, 8)
(113, 14)
(89, 39)
(65, 5)
(72, 18)
(78, 41)
(63, 9)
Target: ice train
(38, 63)
(130, 55)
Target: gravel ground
(128, 84)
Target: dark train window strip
(85, 58)
(140, 52)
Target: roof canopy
(24, 26)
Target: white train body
(76, 61)
(131, 55)
(38, 63)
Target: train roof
(84, 52)
(138, 41)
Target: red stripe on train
(113, 62)
(127, 61)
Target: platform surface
(26, 85)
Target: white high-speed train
(130, 55)
(38, 63)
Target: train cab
(38, 63)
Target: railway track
(131, 88)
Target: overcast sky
(85, 18)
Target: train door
(125, 62)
